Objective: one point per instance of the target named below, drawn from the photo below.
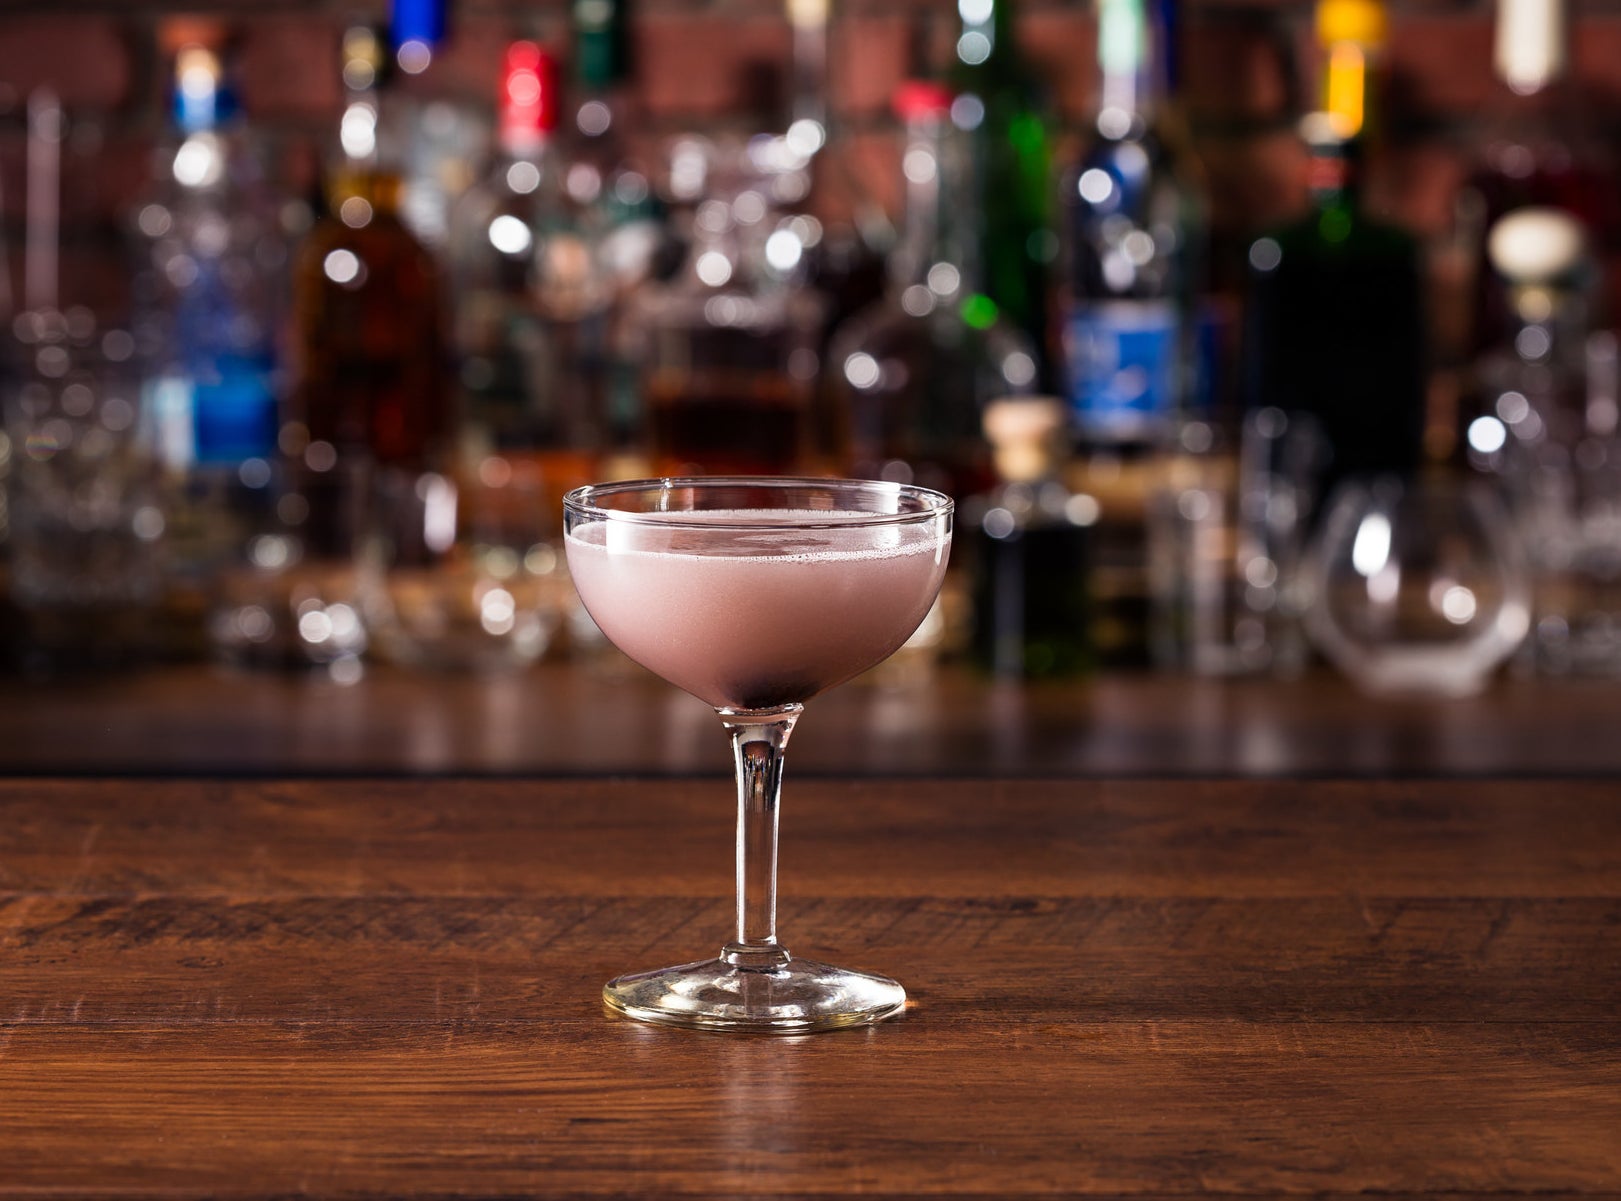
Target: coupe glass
(754, 595)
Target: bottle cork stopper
(1536, 245)
(1023, 432)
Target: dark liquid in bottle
(727, 423)
(1336, 330)
(1032, 603)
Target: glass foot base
(796, 998)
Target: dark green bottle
(1336, 318)
(1003, 108)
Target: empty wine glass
(754, 595)
(1417, 586)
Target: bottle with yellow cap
(1335, 323)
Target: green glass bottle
(1001, 104)
(1336, 318)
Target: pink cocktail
(755, 595)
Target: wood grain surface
(615, 718)
(388, 988)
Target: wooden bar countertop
(369, 987)
(615, 718)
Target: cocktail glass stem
(759, 741)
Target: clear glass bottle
(914, 371)
(848, 233)
(609, 174)
(729, 345)
(212, 279)
(211, 292)
(441, 138)
(531, 298)
(1545, 425)
(1030, 549)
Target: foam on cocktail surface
(745, 611)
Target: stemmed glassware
(755, 594)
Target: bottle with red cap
(530, 296)
(914, 370)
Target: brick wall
(1248, 66)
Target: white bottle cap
(1530, 47)
(1536, 245)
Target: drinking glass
(291, 596)
(755, 594)
(459, 574)
(87, 526)
(1418, 586)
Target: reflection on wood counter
(257, 989)
(564, 719)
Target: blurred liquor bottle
(729, 344)
(1000, 103)
(210, 290)
(847, 231)
(607, 169)
(1540, 150)
(442, 138)
(368, 310)
(609, 175)
(1212, 266)
(1544, 420)
(531, 298)
(1336, 324)
(1030, 548)
(1130, 219)
(914, 371)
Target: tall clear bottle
(212, 283)
(441, 137)
(609, 174)
(914, 371)
(606, 170)
(848, 233)
(1130, 227)
(531, 296)
(728, 345)
(211, 293)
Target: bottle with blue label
(211, 280)
(1129, 234)
(210, 287)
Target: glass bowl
(1417, 586)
